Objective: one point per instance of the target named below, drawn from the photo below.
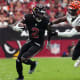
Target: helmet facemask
(72, 12)
(74, 8)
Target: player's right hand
(17, 28)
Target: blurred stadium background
(54, 64)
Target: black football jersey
(36, 29)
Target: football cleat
(20, 78)
(77, 63)
(32, 67)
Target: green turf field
(47, 69)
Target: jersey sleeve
(25, 19)
(76, 22)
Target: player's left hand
(55, 33)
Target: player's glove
(17, 27)
(54, 33)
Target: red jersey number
(35, 32)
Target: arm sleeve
(70, 33)
(51, 32)
(49, 35)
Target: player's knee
(23, 59)
(18, 60)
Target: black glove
(54, 34)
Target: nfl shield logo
(55, 48)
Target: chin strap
(38, 20)
(70, 33)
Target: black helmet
(39, 11)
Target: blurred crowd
(12, 11)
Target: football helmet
(39, 12)
(74, 8)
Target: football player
(73, 18)
(36, 24)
